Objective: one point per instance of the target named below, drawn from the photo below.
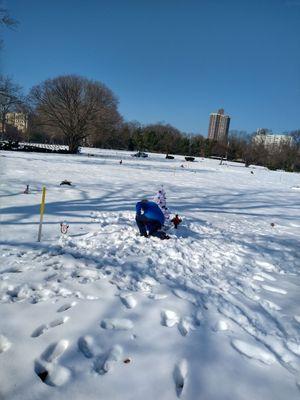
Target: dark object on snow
(43, 375)
(65, 182)
(152, 219)
(188, 158)
(272, 224)
(127, 361)
(251, 172)
(147, 227)
(162, 235)
(176, 221)
(26, 191)
(121, 162)
(169, 157)
(64, 228)
(181, 166)
(140, 154)
(9, 145)
(33, 147)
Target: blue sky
(172, 61)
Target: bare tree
(6, 20)
(75, 107)
(296, 137)
(10, 98)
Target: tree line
(77, 111)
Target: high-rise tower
(218, 126)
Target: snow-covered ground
(101, 313)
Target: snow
(101, 312)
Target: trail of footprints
(50, 372)
(104, 361)
(45, 327)
(47, 367)
(59, 321)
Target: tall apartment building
(271, 140)
(18, 120)
(218, 126)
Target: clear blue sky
(173, 61)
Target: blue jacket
(151, 210)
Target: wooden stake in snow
(42, 209)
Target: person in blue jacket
(150, 219)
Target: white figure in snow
(160, 199)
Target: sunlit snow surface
(101, 313)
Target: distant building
(18, 120)
(218, 126)
(270, 140)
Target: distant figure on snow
(151, 220)
(26, 191)
(66, 182)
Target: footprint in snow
(4, 344)
(55, 350)
(186, 324)
(169, 318)
(58, 321)
(274, 289)
(180, 376)
(40, 330)
(185, 295)
(269, 277)
(43, 328)
(258, 278)
(266, 266)
(128, 300)
(105, 363)
(51, 374)
(157, 296)
(66, 306)
(117, 324)
(253, 352)
(47, 368)
(86, 346)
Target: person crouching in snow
(151, 220)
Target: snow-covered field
(101, 313)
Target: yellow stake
(42, 209)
